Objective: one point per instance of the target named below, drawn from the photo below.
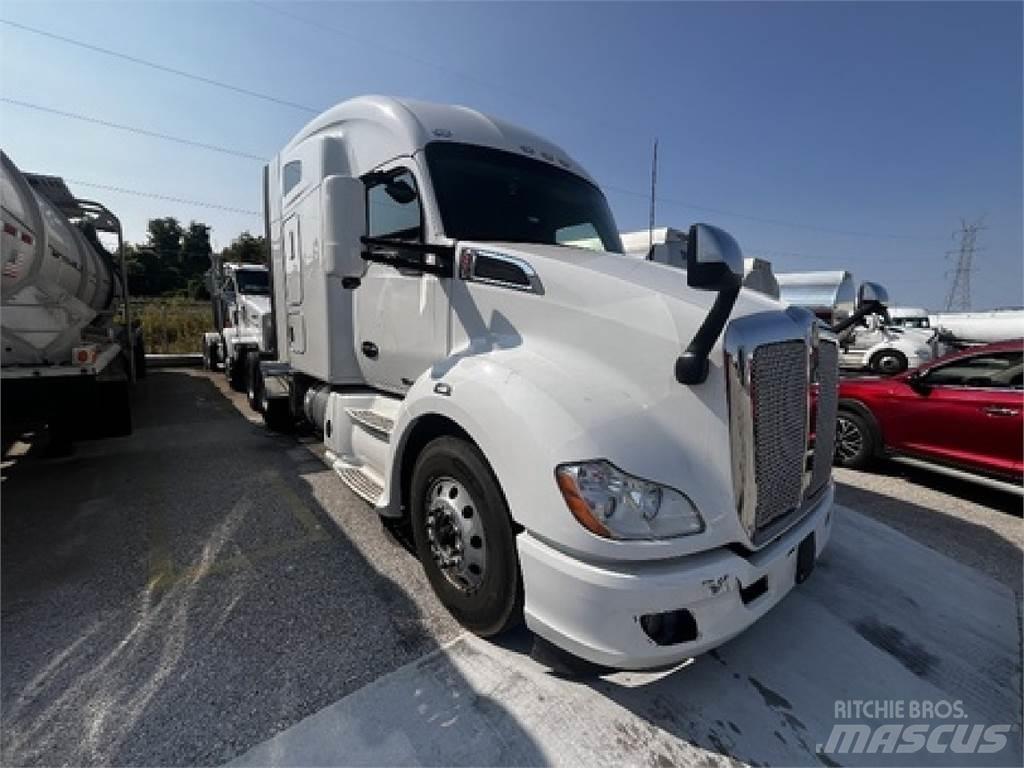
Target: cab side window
(393, 207)
(1000, 370)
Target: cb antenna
(654, 185)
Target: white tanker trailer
(64, 357)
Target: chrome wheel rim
(455, 534)
(849, 440)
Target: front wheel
(855, 441)
(889, 362)
(463, 536)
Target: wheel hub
(455, 534)
(849, 440)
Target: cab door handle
(995, 410)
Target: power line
(132, 129)
(761, 219)
(161, 67)
(157, 196)
(294, 105)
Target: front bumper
(593, 610)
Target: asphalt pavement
(205, 591)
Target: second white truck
(636, 461)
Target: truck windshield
(490, 195)
(253, 281)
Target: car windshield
(490, 195)
(253, 281)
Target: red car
(960, 412)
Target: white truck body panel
(980, 327)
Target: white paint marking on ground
(882, 618)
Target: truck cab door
(401, 314)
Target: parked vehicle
(240, 294)
(562, 429)
(873, 343)
(66, 359)
(967, 328)
(667, 245)
(960, 413)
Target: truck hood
(647, 276)
(252, 307)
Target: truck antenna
(654, 184)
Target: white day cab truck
(240, 295)
(67, 361)
(869, 341)
(625, 457)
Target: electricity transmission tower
(959, 296)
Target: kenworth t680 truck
(635, 460)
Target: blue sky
(823, 135)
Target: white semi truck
(870, 342)
(240, 295)
(67, 360)
(627, 457)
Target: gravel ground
(975, 525)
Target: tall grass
(173, 326)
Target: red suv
(962, 411)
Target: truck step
(362, 483)
(372, 421)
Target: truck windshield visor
(253, 282)
(489, 195)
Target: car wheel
(889, 362)
(235, 370)
(276, 412)
(855, 441)
(463, 536)
(207, 362)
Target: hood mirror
(871, 293)
(714, 262)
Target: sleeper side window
(291, 175)
(393, 206)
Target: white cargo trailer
(66, 359)
(615, 451)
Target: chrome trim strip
(467, 270)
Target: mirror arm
(402, 254)
(868, 308)
(692, 365)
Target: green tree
(247, 249)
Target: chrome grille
(779, 390)
(825, 416)
(771, 358)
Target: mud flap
(805, 556)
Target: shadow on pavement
(177, 596)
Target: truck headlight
(610, 503)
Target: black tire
(235, 370)
(207, 359)
(495, 604)
(276, 412)
(855, 440)
(254, 381)
(888, 362)
(140, 358)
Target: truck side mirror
(871, 292)
(714, 262)
(344, 212)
